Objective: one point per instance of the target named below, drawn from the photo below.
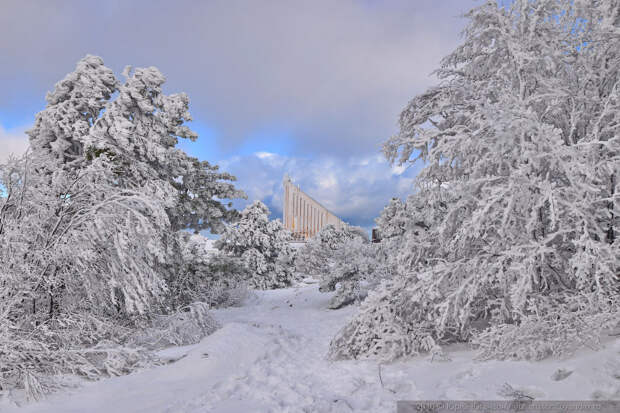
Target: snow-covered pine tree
(75, 104)
(263, 246)
(392, 220)
(139, 131)
(522, 132)
(135, 134)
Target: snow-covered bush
(519, 194)
(37, 358)
(262, 245)
(344, 261)
(188, 325)
(357, 266)
(316, 256)
(392, 323)
(558, 332)
(228, 281)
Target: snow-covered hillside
(269, 356)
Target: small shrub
(189, 325)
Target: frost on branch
(262, 245)
(518, 201)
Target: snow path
(269, 356)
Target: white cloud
(12, 142)
(264, 155)
(328, 181)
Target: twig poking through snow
(508, 391)
(381, 379)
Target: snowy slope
(269, 357)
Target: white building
(302, 215)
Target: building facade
(302, 215)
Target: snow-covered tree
(263, 246)
(91, 241)
(89, 224)
(357, 266)
(134, 135)
(522, 132)
(73, 269)
(138, 131)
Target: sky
(306, 88)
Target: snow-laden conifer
(139, 132)
(392, 220)
(263, 245)
(74, 105)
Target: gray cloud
(334, 74)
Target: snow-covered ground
(269, 356)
